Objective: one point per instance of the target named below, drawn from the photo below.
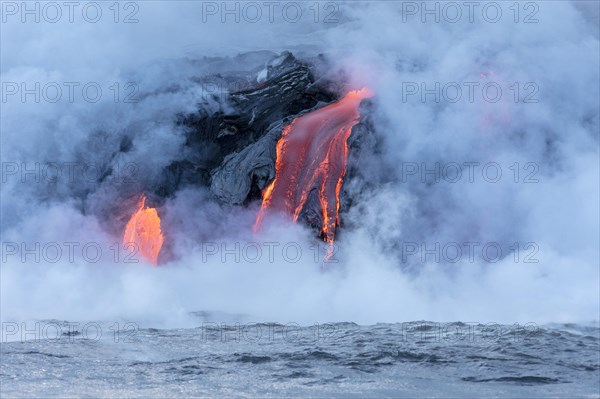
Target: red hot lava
(312, 154)
(143, 231)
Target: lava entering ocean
(143, 232)
(312, 155)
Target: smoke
(420, 240)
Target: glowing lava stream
(312, 154)
(143, 231)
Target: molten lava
(143, 231)
(311, 155)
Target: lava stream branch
(312, 154)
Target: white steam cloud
(549, 210)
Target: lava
(312, 154)
(143, 231)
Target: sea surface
(233, 359)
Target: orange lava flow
(312, 154)
(143, 231)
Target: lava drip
(143, 234)
(312, 154)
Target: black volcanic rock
(231, 139)
(232, 149)
(255, 164)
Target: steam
(374, 280)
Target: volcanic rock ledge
(233, 150)
(232, 181)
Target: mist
(396, 253)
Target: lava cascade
(143, 231)
(312, 154)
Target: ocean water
(345, 360)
